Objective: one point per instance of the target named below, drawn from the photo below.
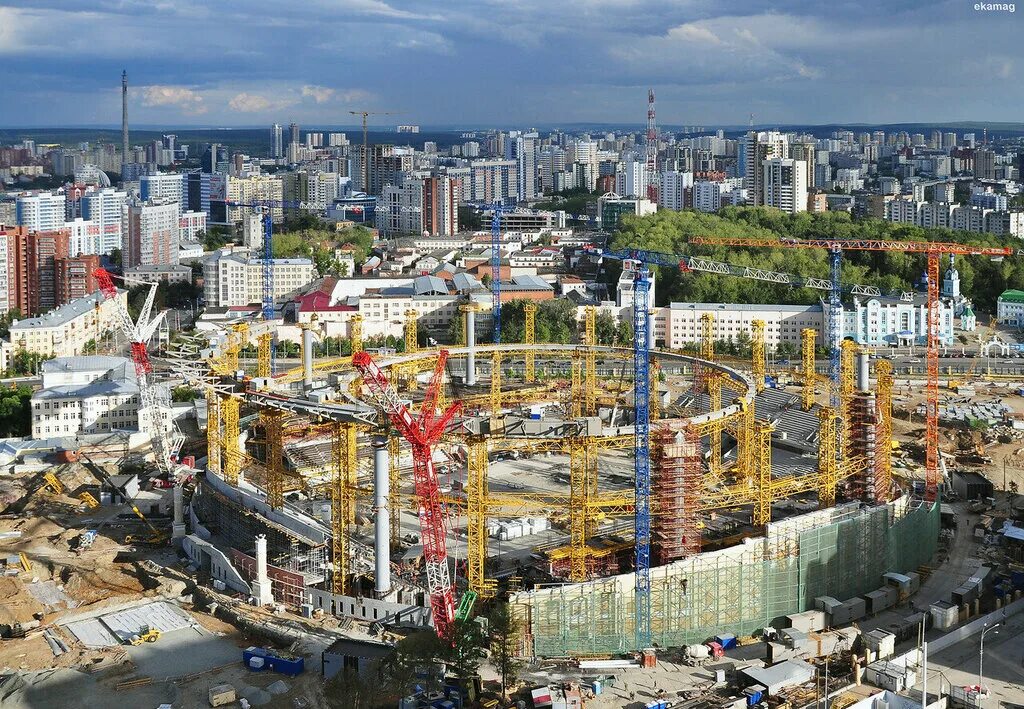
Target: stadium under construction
(515, 476)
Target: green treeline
(981, 279)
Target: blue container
(286, 665)
(1017, 579)
(753, 696)
(726, 640)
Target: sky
(508, 62)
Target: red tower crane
(934, 250)
(422, 433)
(138, 334)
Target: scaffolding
(677, 469)
(654, 397)
(861, 430)
(232, 456)
(882, 483)
(759, 364)
(828, 463)
(741, 589)
(529, 336)
(272, 423)
(810, 374)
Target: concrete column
(307, 358)
(471, 348)
(178, 525)
(261, 592)
(381, 503)
(863, 376)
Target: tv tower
(124, 119)
(652, 149)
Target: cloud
(691, 32)
(183, 97)
(320, 94)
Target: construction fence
(841, 552)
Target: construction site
(622, 499)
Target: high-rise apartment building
(526, 164)
(73, 277)
(42, 250)
(985, 164)
(293, 132)
(758, 147)
(163, 186)
(276, 141)
(631, 179)
(805, 151)
(151, 233)
(441, 206)
(103, 207)
(785, 184)
(493, 180)
(41, 211)
(674, 189)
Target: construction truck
(697, 655)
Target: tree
(15, 412)
(116, 258)
(184, 393)
(504, 630)
(469, 219)
(463, 657)
(214, 240)
(604, 327)
(7, 319)
(24, 363)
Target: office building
(785, 184)
(151, 233)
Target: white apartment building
(672, 189)
(679, 325)
(64, 331)
(254, 188)
(82, 395)
(190, 224)
(758, 146)
(83, 237)
(41, 211)
(906, 210)
(325, 187)
(163, 186)
(151, 233)
(785, 184)
(492, 181)
(233, 279)
(526, 165)
(104, 207)
(631, 179)
(710, 196)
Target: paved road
(1004, 664)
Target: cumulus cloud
(184, 98)
(249, 103)
(320, 94)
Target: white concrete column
(863, 372)
(470, 348)
(382, 526)
(178, 525)
(261, 592)
(307, 358)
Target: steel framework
(496, 272)
(264, 350)
(579, 498)
(476, 518)
(847, 377)
(883, 437)
(394, 487)
(576, 385)
(411, 344)
(759, 364)
(933, 250)
(529, 337)
(807, 338)
(232, 456)
(213, 419)
(495, 398)
(356, 332)
(714, 383)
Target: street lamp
(981, 657)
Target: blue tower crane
(641, 453)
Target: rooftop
(1012, 296)
(62, 315)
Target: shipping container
(274, 660)
(726, 640)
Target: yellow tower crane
(529, 337)
(355, 330)
(579, 494)
(213, 419)
(654, 391)
(411, 344)
(590, 375)
(576, 386)
(763, 473)
(495, 400)
(714, 380)
(272, 421)
(232, 455)
(847, 378)
(883, 435)
(807, 339)
(343, 490)
(707, 337)
(828, 464)
(394, 486)
(476, 519)
(264, 345)
(759, 366)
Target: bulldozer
(146, 634)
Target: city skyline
(452, 64)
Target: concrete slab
(162, 616)
(92, 633)
(182, 652)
